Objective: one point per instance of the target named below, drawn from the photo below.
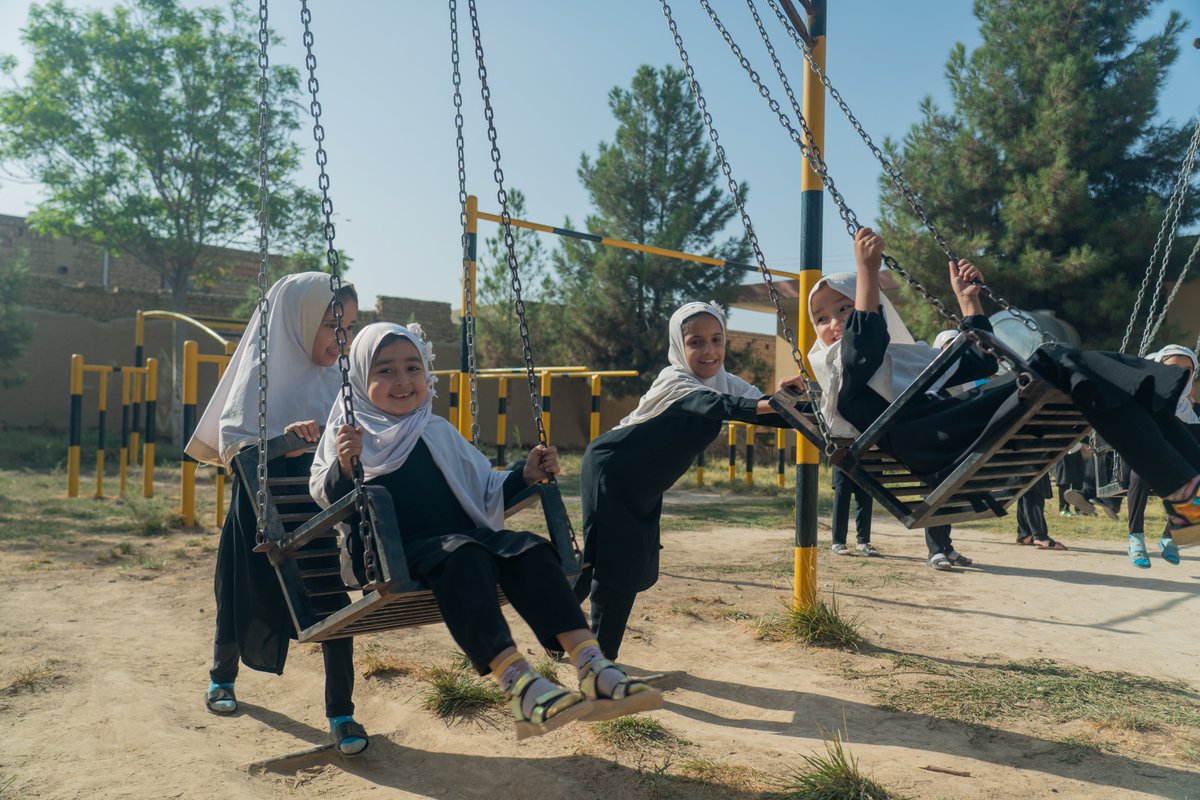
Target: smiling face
(829, 309)
(396, 383)
(704, 345)
(325, 349)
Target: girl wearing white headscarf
(253, 622)
(626, 470)
(1139, 492)
(864, 359)
(450, 513)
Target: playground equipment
(192, 359)
(749, 438)
(132, 381)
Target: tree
(656, 183)
(1051, 172)
(142, 127)
(15, 327)
(497, 336)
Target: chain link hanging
(264, 63)
(332, 258)
(894, 174)
(467, 279)
(506, 221)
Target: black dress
(1128, 400)
(625, 472)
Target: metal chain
(468, 283)
(1162, 315)
(751, 236)
(264, 63)
(506, 220)
(365, 522)
(896, 176)
(1175, 206)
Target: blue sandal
(1170, 552)
(1137, 551)
(349, 737)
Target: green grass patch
(32, 678)
(832, 776)
(634, 733)
(1043, 688)
(820, 625)
(455, 694)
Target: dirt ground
(120, 656)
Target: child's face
(396, 383)
(829, 309)
(325, 349)
(704, 346)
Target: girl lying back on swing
(450, 512)
(865, 357)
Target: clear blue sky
(384, 68)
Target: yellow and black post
(148, 443)
(220, 512)
(501, 420)
(700, 468)
(594, 418)
(460, 391)
(545, 392)
(187, 469)
(124, 453)
(139, 355)
(732, 450)
(811, 189)
(101, 415)
(780, 455)
(750, 431)
(75, 433)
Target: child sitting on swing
(864, 358)
(450, 512)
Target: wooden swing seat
(302, 544)
(986, 481)
(1112, 474)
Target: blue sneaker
(1170, 552)
(1137, 551)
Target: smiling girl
(626, 470)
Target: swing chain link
(468, 283)
(814, 388)
(333, 259)
(894, 174)
(260, 496)
(506, 220)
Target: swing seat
(1112, 473)
(302, 544)
(988, 479)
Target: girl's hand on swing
(868, 250)
(962, 277)
(541, 464)
(796, 381)
(349, 444)
(308, 430)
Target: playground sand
(114, 660)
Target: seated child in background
(450, 511)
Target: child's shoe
(220, 699)
(939, 562)
(349, 737)
(868, 549)
(1169, 550)
(839, 549)
(627, 696)
(1137, 551)
(958, 559)
(1076, 498)
(550, 710)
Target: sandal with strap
(1046, 543)
(1169, 550)
(628, 696)
(958, 559)
(221, 700)
(347, 737)
(940, 562)
(550, 711)
(1137, 552)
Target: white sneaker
(840, 549)
(868, 549)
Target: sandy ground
(121, 713)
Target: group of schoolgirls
(450, 502)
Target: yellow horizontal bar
(203, 359)
(611, 373)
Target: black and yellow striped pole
(461, 390)
(750, 431)
(219, 516)
(187, 469)
(501, 420)
(780, 455)
(139, 354)
(811, 197)
(151, 378)
(547, 378)
(732, 451)
(594, 415)
(101, 421)
(75, 433)
(126, 377)
(700, 469)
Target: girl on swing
(626, 470)
(253, 623)
(864, 358)
(450, 512)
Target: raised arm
(962, 277)
(868, 253)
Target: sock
(1185, 492)
(583, 656)
(212, 686)
(508, 679)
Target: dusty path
(122, 654)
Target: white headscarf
(676, 381)
(1183, 408)
(298, 388)
(389, 440)
(903, 362)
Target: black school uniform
(1128, 400)
(463, 563)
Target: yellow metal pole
(594, 420)
(501, 420)
(700, 468)
(148, 445)
(76, 430)
(804, 594)
(732, 451)
(100, 425)
(750, 431)
(780, 455)
(545, 392)
(187, 469)
(469, 307)
(124, 456)
(139, 352)
(219, 516)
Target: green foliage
(15, 327)
(141, 124)
(820, 625)
(1051, 171)
(655, 183)
(833, 776)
